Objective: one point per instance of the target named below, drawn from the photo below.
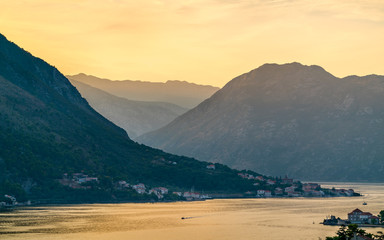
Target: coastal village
(262, 187)
(288, 187)
(83, 181)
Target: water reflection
(213, 219)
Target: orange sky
(201, 41)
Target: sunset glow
(201, 41)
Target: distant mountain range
(184, 94)
(287, 119)
(135, 117)
(47, 130)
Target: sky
(201, 41)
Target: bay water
(224, 219)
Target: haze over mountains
(184, 94)
(135, 117)
(47, 129)
(287, 119)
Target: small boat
(364, 203)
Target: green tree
(342, 233)
(345, 233)
(381, 216)
(354, 229)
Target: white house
(140, 188)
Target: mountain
(48, 132)
(184, 94)
(287, 119)
(135, 117)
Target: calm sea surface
(210, 220)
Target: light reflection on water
(213, 219)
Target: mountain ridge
(47, 131)
(83, 75)
(278, 118)
(181, 93)
(135, 117)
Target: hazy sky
(202, 41)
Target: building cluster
(264, 193)
(161, 191)
(287, 187)
(77, 180)
(303, 190)
(283, 186)
(192, 195)
(359, 217)
(355, 217)
(291, 191)
(140, 188)
(263, 187)
(312, 190)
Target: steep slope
(288, 118)
(47, 129)
(187, 95)
(135, 117)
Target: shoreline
(359, 225)
(47, 204)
